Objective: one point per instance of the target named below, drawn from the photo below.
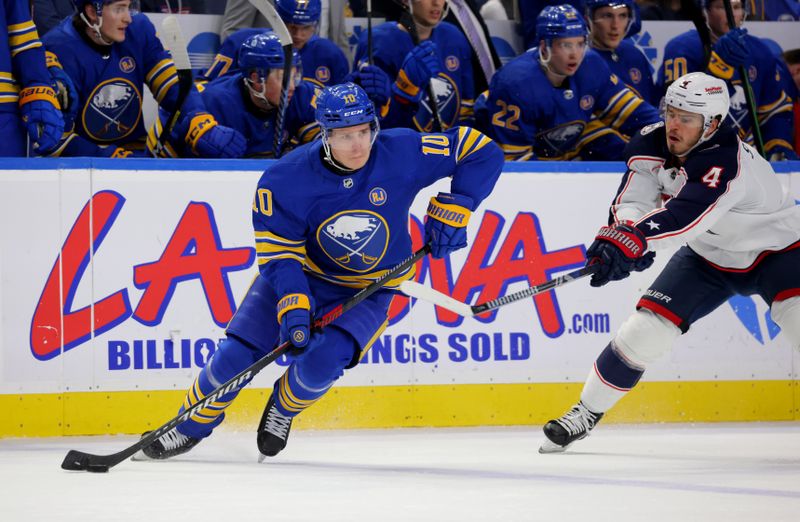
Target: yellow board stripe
(131, 412)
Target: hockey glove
(419, 66)
(208, 139)
(294, 314)
(42, 116)
(779, 153)
(618, 250)
(375, 83)
(66, 94)
(729, 52)
(446, 223)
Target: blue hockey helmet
(299, 12)
(263, 52)
(344, 105)
(98, 5)
(560, 21)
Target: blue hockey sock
(314, 371)
(231, 357)
(614, 371)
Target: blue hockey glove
(42, 116)
(729, 52)
(446, 223)
(208, 139)
(419, 66)
(375, 83)
(618, 250)
(294, 314)
(779, 153)
(66, 94)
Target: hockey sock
(231, 357)
(609, 380)
(314, 372)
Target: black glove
(618, 250)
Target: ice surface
(702, 472)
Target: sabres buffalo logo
(113, 110)
(448, 101)
(354, 239)
(557, 141)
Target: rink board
(106, 336)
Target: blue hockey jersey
(630, 64)
(454, 88)
(684, 54)
(529, 118)
(109, 82)
(350, 229)
(21, 54)
(322, 61)
(228, 100)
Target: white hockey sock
(598, 395)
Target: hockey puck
(97, 468)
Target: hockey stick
(80, 461)
(407, 21)
(172, 38)
(268, 11)
(478, 37)
(700, 24)
(426, 293)
(369, 32)
(748, 90)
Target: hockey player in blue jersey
(560, 101)
(330, 218)
(443, 59)
(737, 229)
(323, 62)
(28, 104)
(246, 103)
(110, 51)
(729, 50)
(610, 22)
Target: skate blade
(139, 456)
(549, 446)
(261, 457)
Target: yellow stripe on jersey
(516, 152)
(617, 106)
(22, 36)
(270, 247)
(289, 400)
(308, 132)
(359, 281)
(469, 141)
(768, 146)
(374, 338)
(51, 60)
(163, 83)
(158, 68)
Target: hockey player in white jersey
(740, 227)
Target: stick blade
(414, 289)
(172, 38)
(79, 461)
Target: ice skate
(574, 425)
(273, 431)
(168, 445)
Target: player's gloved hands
(66, 94)
(618, 250)
(294, 315)
(374, 81)
(729, 52)
(446, 223)
(208, 139)
(42, 117)
(419, 66)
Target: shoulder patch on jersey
(452, 63)
(377, 196)
(127, 64)
(587, 102)
(635, 75)
(323, 74)
(355, 240)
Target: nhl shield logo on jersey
(113, 110)
(127, 64)
(354, 239)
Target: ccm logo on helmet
(353, 113)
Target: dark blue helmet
(299, 12)
(343, 105)
(263, 52)
(98, 5)
(560, 21)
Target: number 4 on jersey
(711, 178)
